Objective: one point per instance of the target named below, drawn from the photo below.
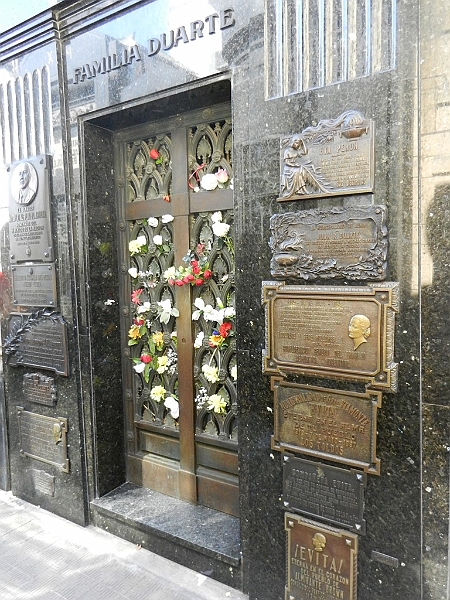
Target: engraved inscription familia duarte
(197, 29)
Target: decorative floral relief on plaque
(340, 243)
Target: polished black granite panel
(435, 491)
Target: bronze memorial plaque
(330, 424)
(38, 339)
(332, 158)
(39, 389)
(324, 492)
(340, 332)
(44, 482)
(339, 243)
(43, 438)
(30, 232)
(34, 285)
(321, 561)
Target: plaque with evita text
(321, 561)
(338, 243)
(30, 232)
(330, 424)
(38, 339)
(320, 491)
(334, 157)
(339, 332)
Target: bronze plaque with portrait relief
(30, 232)
(334, 157)
(330, 424)
(340, 332)
(338, 243)
(321, 561)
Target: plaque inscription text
(321, 561)
(339, 243)
(43, 438)
(39, 389)
(34, 285)
(38, 340)
(346, 333)
(320, 491)
(331, 424)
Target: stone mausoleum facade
(224, 285)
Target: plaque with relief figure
(332, 158)
(30, 232)
(339, 332)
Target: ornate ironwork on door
(182, 422)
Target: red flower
(166, 198)
(224, 329)
(139, 322)
(207, 274)
(136, 295)
(146, 358)
(196, 270)
(154, 154)
(200, 248)
(178, 282)
(171, 281)
(194, 263)
(199, 281)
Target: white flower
(209, 182)
(141, 240)
(173, 406)
(139, 367)
(133, 272)
(144, 307)
(109, 302)
(166, 310)
(199, 340)
(234, 372)
(229, 312)
(157, 393)
(152, 221)
(167, 218)
(199, 303)
(211, 373)
(134, 247)
(220, 229)
(210, 313)
(216, 217)
(157, 240)
(170, 273)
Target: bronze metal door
(174, 186)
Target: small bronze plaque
(43, 438)
(321, 561)
(30, 232)
(330, 424)
(39, 389)
(44, 482)
(340, 243)
(334, 157)
(324, 492)
(38, 339)
(341, 332)
(34, 285)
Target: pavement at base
(46, 557)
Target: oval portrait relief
(24, 183)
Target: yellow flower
(158, 338)
(217, 404)
(134, 333)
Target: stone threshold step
(180, 525)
